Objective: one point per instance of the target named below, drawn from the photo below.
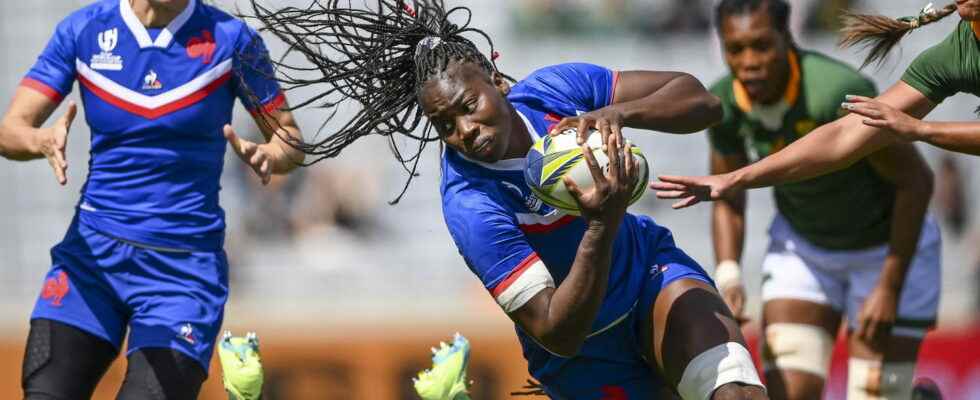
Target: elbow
(711, 109)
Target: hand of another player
(881, 115)
(606, 201)
(606, 120)
(692, 189)
(877, 316)
(258, 156)
(52, 141)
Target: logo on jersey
(532, 202)
(150, 81)
(201, 46)
(55, 288)
(187, 333)
(106, 60)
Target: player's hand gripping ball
(554, 157)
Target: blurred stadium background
(348, 293)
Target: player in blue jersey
(605, 306)
(158, 80)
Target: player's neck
(520, 139)
(154, 14)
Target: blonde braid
(881, 33)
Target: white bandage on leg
(728, 273)
(798, 347)
(874, 380)
(724, 363)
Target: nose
(468, 129)
(750, 60)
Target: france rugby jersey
(156, 101)
(513, 242)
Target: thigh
(63, 362)
(178, 301)
(161, 374)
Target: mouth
(484, 146)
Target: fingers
(630, 163)
(590, 160)
(573, 189)
(865, 110)
(613, 153)
(69, 115)
(666, 186)
(59, 167)
(853, 98)
(687, 202)
(877, 123)
(582, 129)
(233, 140)
(562, 125)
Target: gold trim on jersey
(975, 25)
(789, 96)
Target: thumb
(233, 140)
(68, 117)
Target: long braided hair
(377, 58)
(880, 34)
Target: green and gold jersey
(950, 67)
(847, 209)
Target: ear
(501, 83)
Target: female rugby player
(606, 306)
(841, 244)
(158, 79)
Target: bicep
(29, 107)
(633, 85)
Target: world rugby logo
(108, 40)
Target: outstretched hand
(257, 156)
(53, 140)
(691, 190)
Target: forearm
(911, 205)
(575, 303)
(829, 148)
(682, 105)
(19, 143)
(728, 230)
(963, 137)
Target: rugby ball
(553, 157)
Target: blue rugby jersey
(518, 245)
(156, 101)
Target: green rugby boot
(447, 378)
(241, 366)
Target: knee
(739, 391)
(162, 374)
(797, 347)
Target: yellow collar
(976, 29)
(792, 87)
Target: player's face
(968, 9)
(469, 111)
(757, 54)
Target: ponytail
(880, 34)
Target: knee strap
(799, 347)
(875, 380)
(725, 363)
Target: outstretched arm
(962, 137)
(829, 148)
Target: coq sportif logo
(105, 60)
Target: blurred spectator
(950, 196)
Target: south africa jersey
(847, 209)
(950, 67)
(518, 245)
(156, 101)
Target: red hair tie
(494, 56)
(408, 9)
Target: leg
(161, 374)
(797, 344)
(886, 371)
(63, 362)
(690, 326)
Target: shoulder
(722, 88)
(76, 22)
(821, 72)
(228, 24)
(554, 76)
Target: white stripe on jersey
(162, 99)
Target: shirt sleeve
(586, 87)
(496, 250)
(53, 74)
(256, 86)
(934, 72)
